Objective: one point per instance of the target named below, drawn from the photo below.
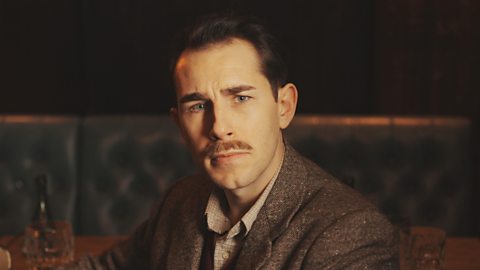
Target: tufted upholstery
(30, 145)
(127, 163)
(410, 167)
(416, 168)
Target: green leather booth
(31, 145)
(105, 172)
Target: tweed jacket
(309, 221)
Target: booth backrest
(106, 171)
(127, 164)
(411, 168)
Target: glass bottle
(42, 218)
(47, 243)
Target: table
(84, 245)
(460, 253)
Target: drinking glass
(48, 248)
(5, 260)
(424, 248)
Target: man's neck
(238, 206)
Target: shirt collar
(216, 211)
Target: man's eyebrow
(195, 96)
(192, 97)
(237, 89)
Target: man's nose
(221, 125)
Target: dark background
(415, 57)
(369, 57)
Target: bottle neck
(42, 217)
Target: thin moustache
(220, 147)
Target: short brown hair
(215, 29)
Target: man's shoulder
(342, 219)
(329, 195)
(321, 215)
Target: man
(256, 203)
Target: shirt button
(225, 255)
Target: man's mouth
(220, 149)
(224, 157)
(224, 152)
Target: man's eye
(241, 98)
(197, 107)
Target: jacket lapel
(187, 239)
(257, 247)
(283, 202)
(187, 250)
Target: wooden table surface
(460, 253)
(84, 245)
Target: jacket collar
(281, 205)
(187, 241)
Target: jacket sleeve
(362, 239)
(136, 252)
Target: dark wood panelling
(368, 57)
(426, 58)
(40, 57)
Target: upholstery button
(19, 184)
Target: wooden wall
(354, 57)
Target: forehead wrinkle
(201, 93)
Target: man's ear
(287, 104)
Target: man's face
(228, 115)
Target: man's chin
(223, 179)
(226, 185)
